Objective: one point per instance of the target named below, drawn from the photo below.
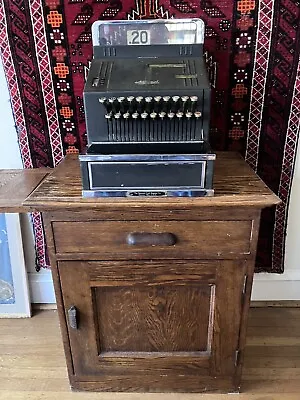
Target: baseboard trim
(276, 290)
(41, 287)
(43, 306)
(14, 315)
(274, 304)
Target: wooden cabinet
(153, 294)
(153, 304)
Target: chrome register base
(148, 193)
(147, 175)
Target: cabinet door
(155, 325)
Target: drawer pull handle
(72, 315)
(151, 239)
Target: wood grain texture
(234, 182)
(76, 292)
(164, 213)
(153, 319)
(88, 340)
(227, 317)
(194, 239)
(157, 384)
(151, 273)
(58, 294)
(32, 362)
(246, 298)
(16, 185)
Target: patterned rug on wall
(252, 53)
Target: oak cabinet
(154, 304)
(152, 294)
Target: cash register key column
(148, 105)
(130, 104)
(139, 100)
(194, 100)
(121, 103)
(157, 99)
(157, 102)
(184, 100)
(175, 101)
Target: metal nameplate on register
(147, 108)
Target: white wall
(287, 285)
(266, 286)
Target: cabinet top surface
(235, 184)
(16, 185)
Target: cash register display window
(139, 33)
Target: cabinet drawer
(153, 239)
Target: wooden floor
(32, 365)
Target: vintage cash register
(147, 107)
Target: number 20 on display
(138, 37)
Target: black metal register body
(147, 105)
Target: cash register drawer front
(153, 239)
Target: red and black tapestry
(252, 53)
